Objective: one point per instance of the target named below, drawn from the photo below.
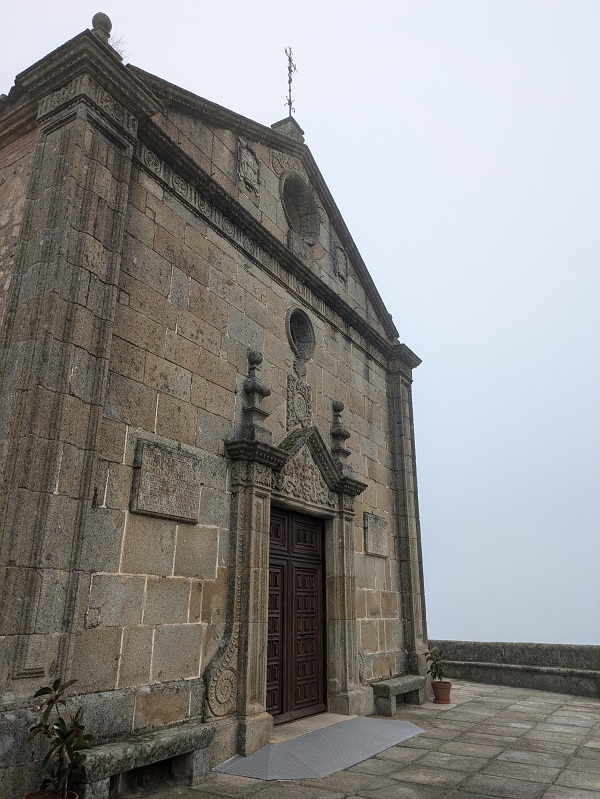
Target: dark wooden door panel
(296, 651)
(275, 634)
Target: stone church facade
(209, 509)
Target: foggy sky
(460, 140)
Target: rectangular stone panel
(166, 482)
(376, 537)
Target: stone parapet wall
(562, 668)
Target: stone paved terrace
(492, 741)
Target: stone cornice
(198, 107)
(17, 122)
(86, 54)
(351, 486)
(256, 451)
(402, 353)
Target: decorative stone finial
(339, 434)
(102, 26)
(255, 391)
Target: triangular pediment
(309, 475)
(309, 440)
(225, 144)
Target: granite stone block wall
(189, 336)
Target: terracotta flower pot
(441, 690)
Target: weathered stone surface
(136, 656)
(196, 552)
(167, 600)
(138, 275)
(149, 546)
(96, 658)
(166, 482)
(115, 601)
(376, 536)
(160, 705)
(177, 650)
(139, 750)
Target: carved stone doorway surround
(301, 473)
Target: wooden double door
(296, 629)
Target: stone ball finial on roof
(101, 23)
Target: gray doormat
(323, 752)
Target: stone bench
(411, 686)
(185, 744)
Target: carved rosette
(222, 688)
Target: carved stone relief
(166, 482)
(362, 666)
(248, 167)
(301, 479)
(299, 403)
(341, 264)
(376, 537)
(222, 682)
(250, 473)
(282, 162)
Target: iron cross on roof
(291, 70)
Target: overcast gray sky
(461, 141)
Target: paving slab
(458, 762)
(522, 771)
(474, 750)
(591, 765)
(579, 779)
(558, 792)
(493, 743)
(488, 785)
(401, 754)
(375, 766)
(407, 790)
(534, 758)
(425, 775)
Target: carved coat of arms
(248, 168)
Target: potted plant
(437, 668)
(63, 766)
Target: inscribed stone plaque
(166, 482)
(376, 537)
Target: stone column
(56, 338)
(408, 531)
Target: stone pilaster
(408, 532)
(236, 679)
(56, 338)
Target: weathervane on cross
(291, 70)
